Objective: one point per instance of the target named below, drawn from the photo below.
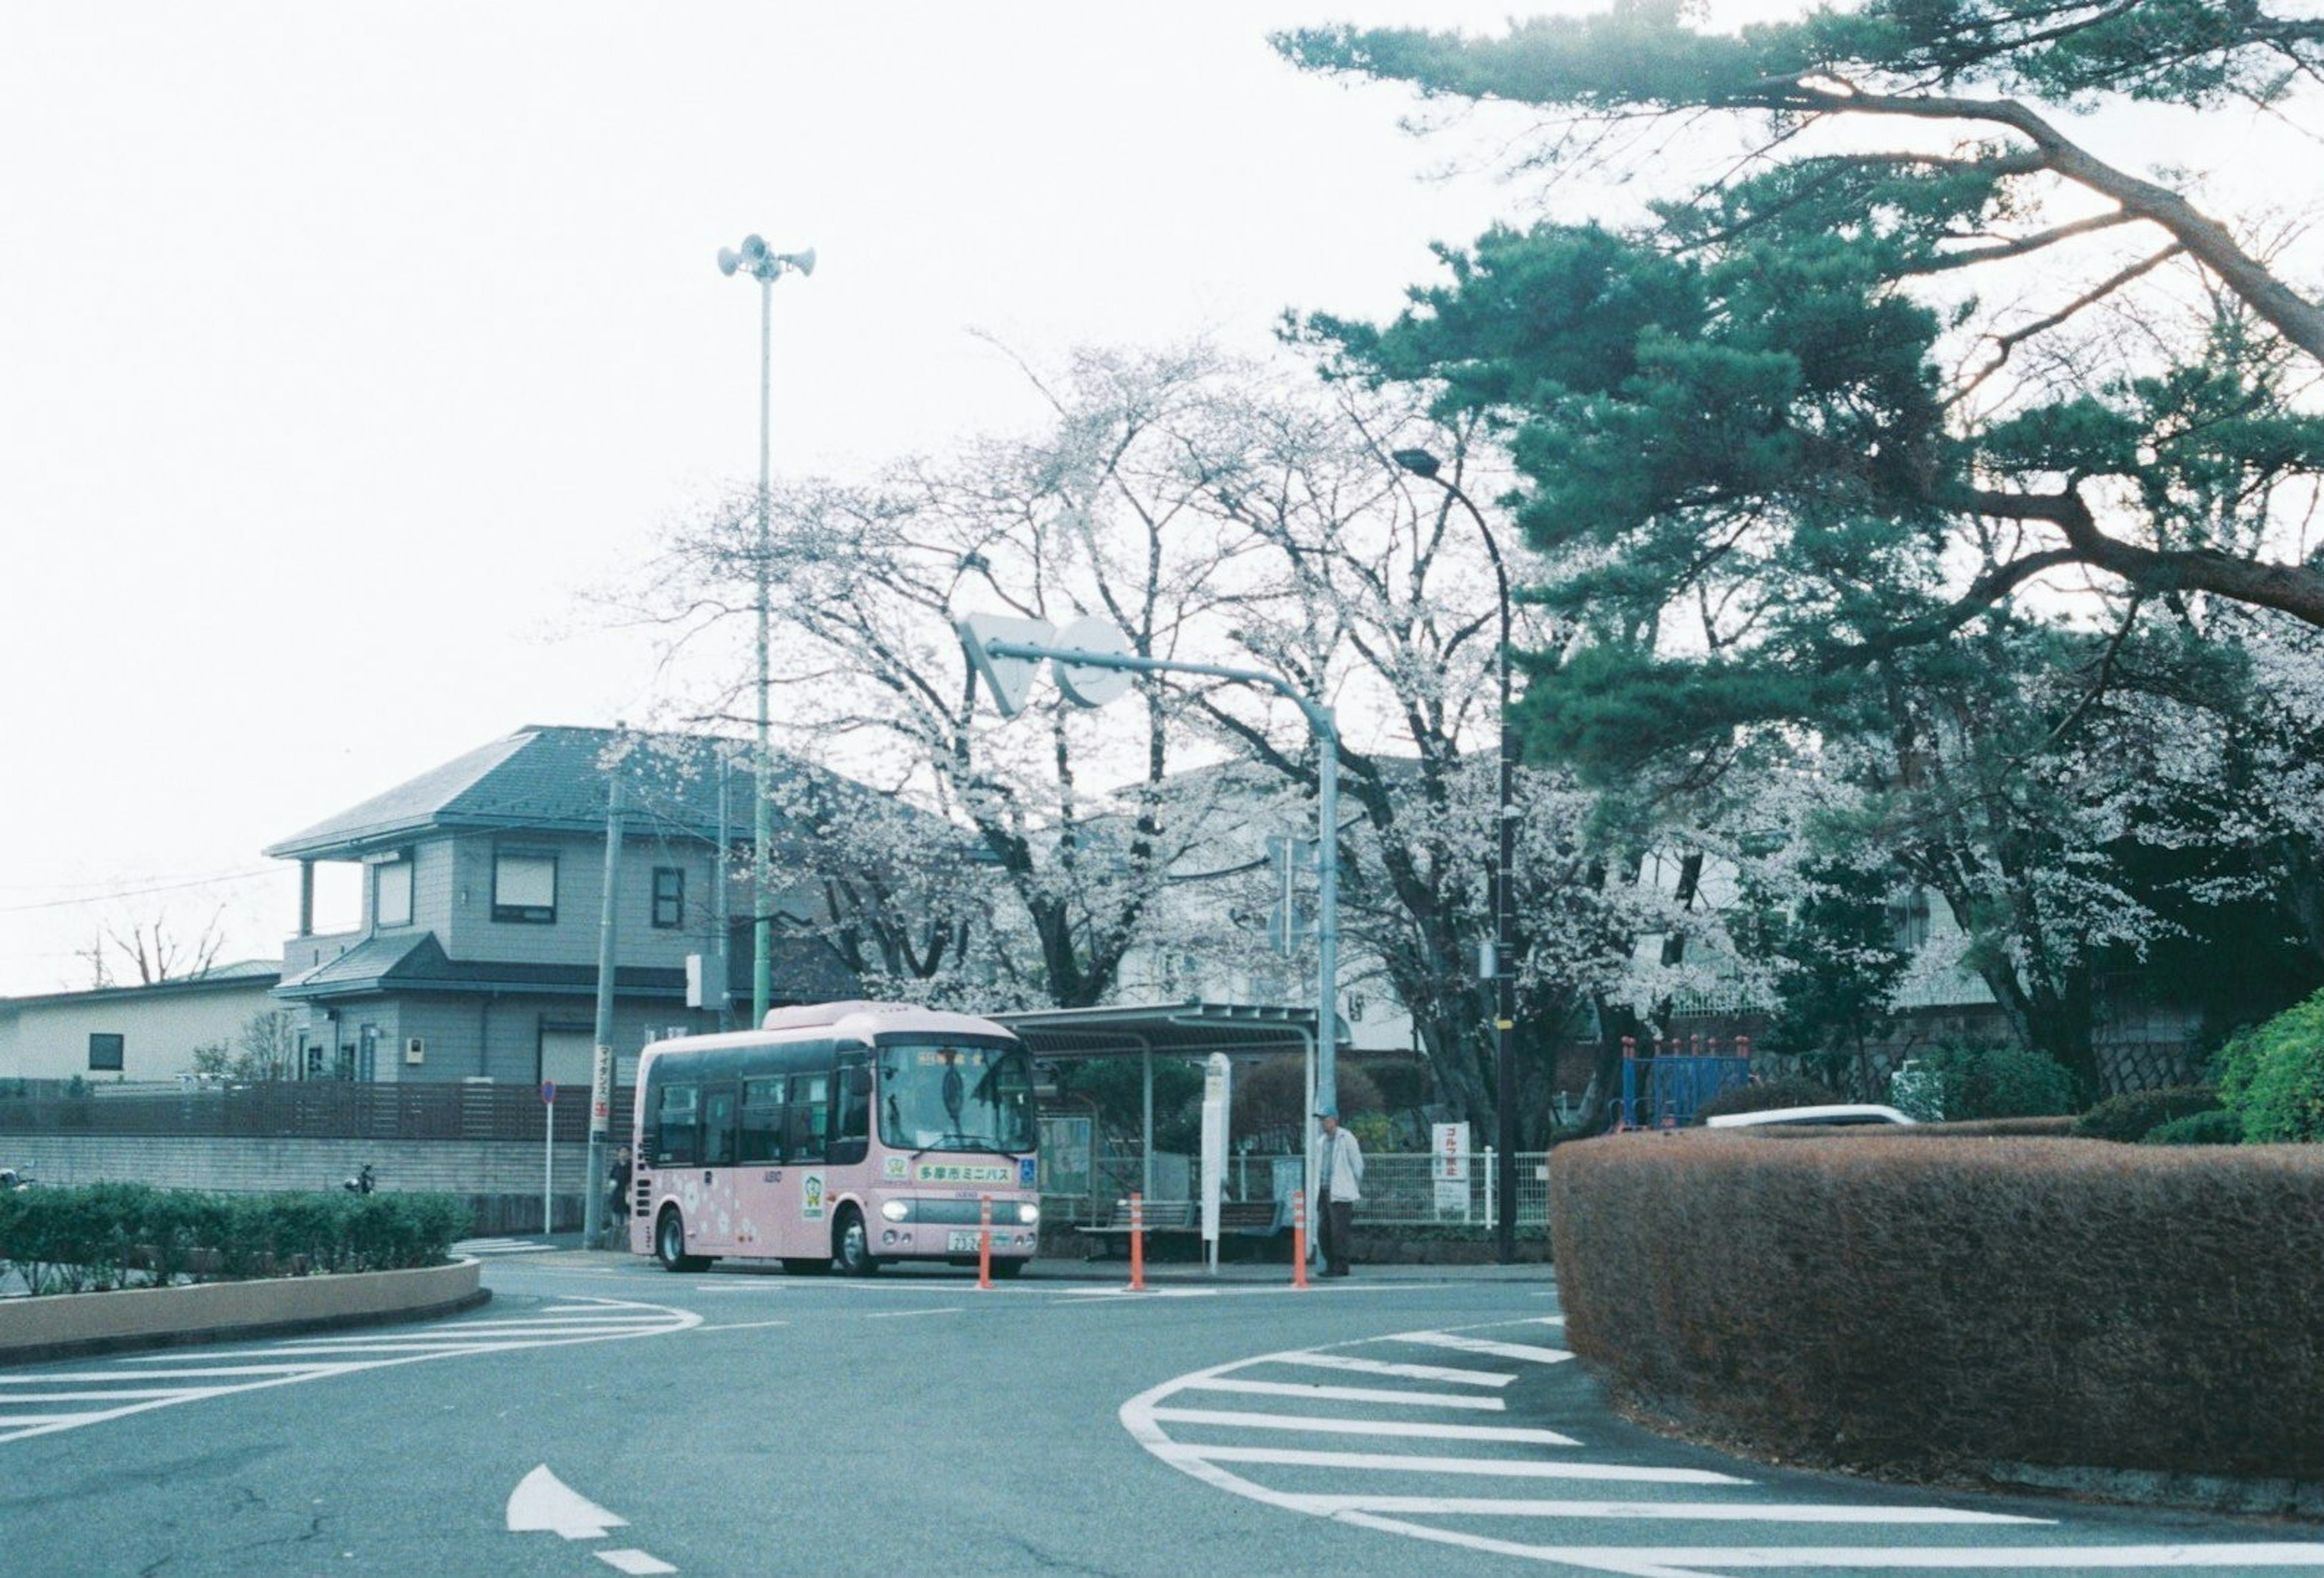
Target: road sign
(549, 1092)
(1010, 679)
(1085, 684)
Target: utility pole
(600, 1076)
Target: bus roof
(863, 1021)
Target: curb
(2269, 1498)
(67, 1325)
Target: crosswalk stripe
(1243, 1421)
(1396, 1462)
(1485, 1346)
(1408, 1371)
(1344, 1394)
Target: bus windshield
(942, 1095)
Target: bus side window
(718, 1127)
(851, 1140)
(810, 1112)
(674, 1118)
(762, 1138)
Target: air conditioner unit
(415, 1050)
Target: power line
(225, 879)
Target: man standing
(1343, 1179)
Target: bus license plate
(962, 1243)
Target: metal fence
(1400, 1189)
(319, 1110)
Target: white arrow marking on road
(543, 1501)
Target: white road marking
(543, 1501)
(1345, 1393)
(898, 1314)
(1408, 1371)
(1331, 1505)
(250, 1368)
(1507, 1468)
(636, 1562)
(1484, 1345)
(1148, 1417)
(743, 1326)
(1322, 1427)
(1705, 1560)
(500, 1246)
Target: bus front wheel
(669, 1245)
(851, 1249)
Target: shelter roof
(1174, 1030)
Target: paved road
(600, 1416)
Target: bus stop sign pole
(547, 1154)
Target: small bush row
(2130, 1117)
(1915, 1301)
(104, 1236)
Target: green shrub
(2215, 1127)
(118, 1235)
(2129, 1116)
(1765, 1096)
(2273, 1075)
(1999, 1082)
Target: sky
(343, 348)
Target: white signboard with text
(1449, 1166)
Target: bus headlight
(896, 1210)
(1027, 1212)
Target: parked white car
(1846, 1113)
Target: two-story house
(482, 912)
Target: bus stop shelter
(1181, 1030)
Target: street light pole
(766, 267)
(992, 643)
(1420, 462)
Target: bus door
(712, 1225)
(673, 1144)
(763, 1184)
(803, 1207)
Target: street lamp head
(1419, 462)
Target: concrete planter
(58, 1325)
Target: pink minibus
(843, 1134)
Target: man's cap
(1327, 1111)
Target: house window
(391, 902)
(105, 1052)
(524, 886)
(668, 897)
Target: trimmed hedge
(104, 1236)
(1922, 1302)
